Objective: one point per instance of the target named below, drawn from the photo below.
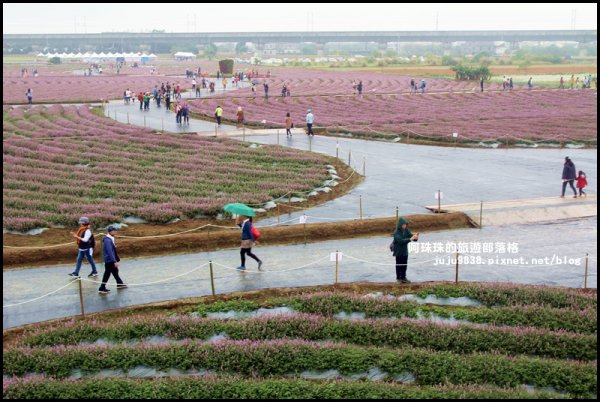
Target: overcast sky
(245, 17)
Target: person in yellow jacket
(218, 114)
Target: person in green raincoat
(402, 236)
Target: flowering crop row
(279, 357)
(503, 294)
(229, 387)
(79, 88)
(63, 162)
(547, 115)
(328, 304)
(391, 333)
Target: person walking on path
(568, 176)
(562, 83)
(359, 87)
(266, 88)
(288, 125)
(178, 113)
(402, 236)
(218, 114)
(29, 96)
(423, 86)
(481, 83)
(185, 112)
(141, 99)
(86, 243)
(412, 86)
(529, 84)
(310, 119)
(248, 241)
(572, 80)
(240, 116)
(581, 183)
(111, 261)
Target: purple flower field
(60, 163)
(387, 107)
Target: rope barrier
(37, 298)
(151, 283)
(302, 267)
(267, 271)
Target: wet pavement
(400, 175)
(365, 259)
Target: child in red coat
(581, 183)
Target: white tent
(184, 56)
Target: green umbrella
(239, 209)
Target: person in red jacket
(581, 183)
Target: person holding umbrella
(244, 221)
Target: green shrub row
(238, 388)
(492, 295)
(328, 304)
(397, 333)
(282, 357)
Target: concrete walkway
(527, 210)
(169, 277)
(407, 176)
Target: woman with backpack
(249, 236)
(86, 243)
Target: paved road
(396, 175)
(575, 241)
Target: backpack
(92, 241)
(255, 232)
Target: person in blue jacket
(248, 242)
(111, 261)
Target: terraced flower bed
(60, 163)
(176, 353)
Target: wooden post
(336, 267)
(278, 213)
(337, 149)
(212, 280)
(304, 232)
(81, 298)
(144, 120)
(456, 277)
(586, 271)
(397, 215)
(310, 143)
(349, 157)
(439, 202)
(243, 133)
(408, 138)
(360, 205)
(277, 136)
(364, 163)
(116, 115)
(127, 117)
(480, 214)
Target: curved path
(396, 175)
